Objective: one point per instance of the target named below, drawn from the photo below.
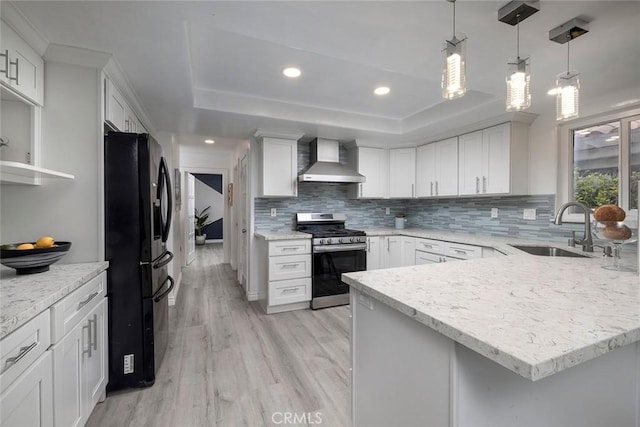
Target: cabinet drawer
(461, 251)
(290, 247)
(66, 313)
(22, 347)
(427, 258)
(428, 245)
(289, 291)
(289, 267)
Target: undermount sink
(547, 251)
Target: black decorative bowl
(29, 261)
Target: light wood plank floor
(229, 364)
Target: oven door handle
(340, 248)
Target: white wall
(71, 143)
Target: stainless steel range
(335, 250)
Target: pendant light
(518, 80)
(518, 74)
(567, 83)
(454, 65)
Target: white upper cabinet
(372, 163)
(279, 167)
(437, 169)
(494, 160)
(402, 172)
(115, 111)
(21, 68)
(470, 163)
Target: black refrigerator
(138, 208)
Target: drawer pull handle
(13, 360)
(88, 328)
(290, 265)
(290, 248)
(289, 290)
(95, 332)
(460, 251)
(15, 79)
(6, 63)
(86, 301)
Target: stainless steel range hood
(325, 166)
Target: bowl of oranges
(33, 257)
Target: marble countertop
(281, 235)
(533, 315)
(24, 297)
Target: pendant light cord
(568, 43)
(454, 19)
(518, 39)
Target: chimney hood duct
(325, 166)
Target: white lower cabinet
(28, 401)
(79, 368)
(26, 389)
(374, 253)
(79, 352)
(287, 272)
(430, 251)
(53, 369)
(393, 253)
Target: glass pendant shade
(567, 95)
(454, 68)
(518, 85)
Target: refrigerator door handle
(162, 260)
(164, 179)
(165, 293)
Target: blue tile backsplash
(469, 215)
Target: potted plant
(200, 224)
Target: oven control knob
(322, 241)
(328, 241)
(341, 240)
(352, 239)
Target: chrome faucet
(587, 240)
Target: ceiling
(214, 68)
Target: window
(605, 159)
(596, 175)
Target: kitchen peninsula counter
(566, 330)
(22, 297)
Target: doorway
(209, 199)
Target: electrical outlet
(494, 212)
(388, 211)
(529, 214)
(273, 211)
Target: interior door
(244, 223)
(190, 217)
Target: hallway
(229, 364)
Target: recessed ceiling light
(612, 138)
(381, 90)
(209, 141)
(553, 91)
(292, 72)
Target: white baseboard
(253, 296)
(213, 241)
